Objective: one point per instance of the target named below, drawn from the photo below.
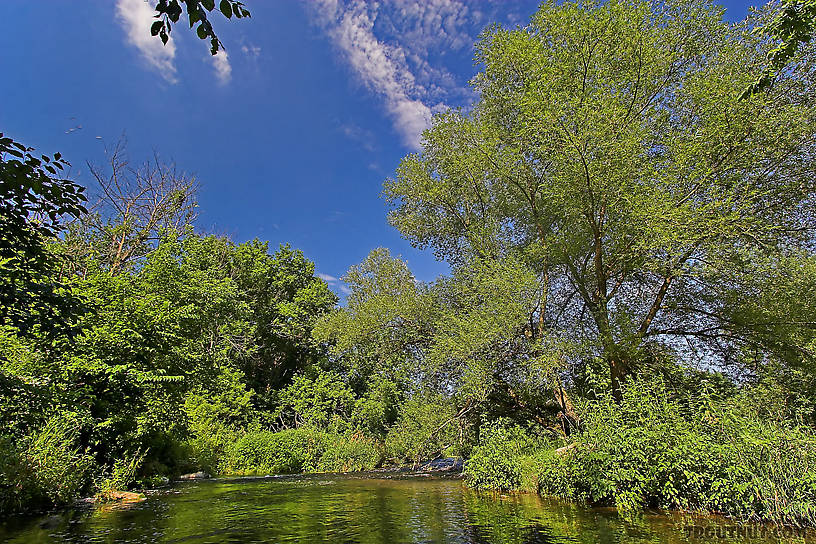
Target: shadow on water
(359, 509)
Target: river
(375, 509)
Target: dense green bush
(717, 456)
(285, 452)
(216, 417)
(428, 426)
(305, 449)
(648, 450)
(497, 462)
(350, 453)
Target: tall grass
(47, 469)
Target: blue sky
(290, 134)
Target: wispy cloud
(358, 134)
(429, 24)
(221, 65)
(387, 47)
(335, 283)
(136, 16)
(252, 51)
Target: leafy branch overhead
(792, 27)
(35, 201)
(170, 11)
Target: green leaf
(226, 8)
(201, 31)
(156, 27)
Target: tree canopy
(608, 155)
(791, 28)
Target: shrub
(350, 453)
(508, 457)
(496, 461)
(285, 452)
(216, 419)
(304, 449)
(774, 464)
(49, 469)
(123, 474)
(650, 451)
(427, 427)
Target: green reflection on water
(340, 509)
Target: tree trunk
(568, 416)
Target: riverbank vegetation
(630, 317)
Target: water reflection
(352, 509)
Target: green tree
(386, 326)
(34, 206)
(285, 298)
(609, 154)
(194, 313)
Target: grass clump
(48, 468)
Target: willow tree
(608, 151)
(386, 326)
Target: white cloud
(387, 47)
(382, 68)
(221, 64)
(136, 16)
(252, 51)
(428, 24)
(335, 283)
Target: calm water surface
(366, 509)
